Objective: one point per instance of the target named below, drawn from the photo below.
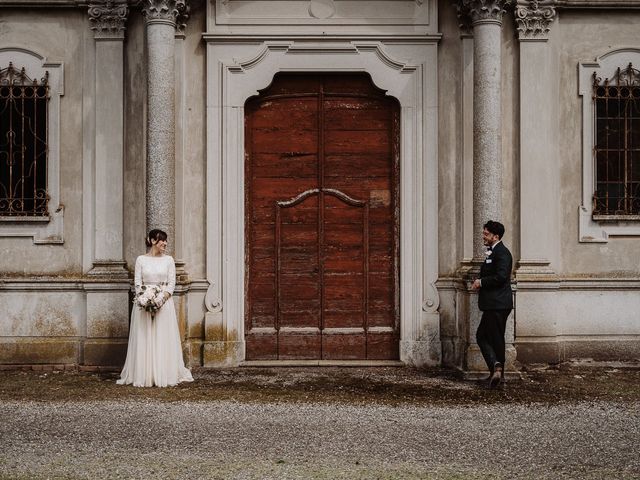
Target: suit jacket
(495, 276)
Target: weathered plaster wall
(194, 235)
(58, 35)
(450, 174)
(583, 36)
(135, 91)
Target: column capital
(108, 18)
(181, 20)
(475, 12)
(171, 12)
(534, 19)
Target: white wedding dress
(154, 354)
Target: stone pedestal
(107, 296)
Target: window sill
(615, 218)
(25, 219)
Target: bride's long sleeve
(137, 279)
(171, 281)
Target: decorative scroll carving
(181, 20)
(481, 11)
(164, 11)
(11, 76)
(464, 22)
(212, 300)
(108, 19)
(624, 77)
(534, 18)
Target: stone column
(161, 18)
(108, 24)
(485, 17)
(107, 291)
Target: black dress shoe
(496, 377)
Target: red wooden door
(321, 220)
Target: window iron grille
(617, 148)
(24, 107)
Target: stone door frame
(237, 71)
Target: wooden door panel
(321, 220)
(357, 142)
(292, 164)
(299, 346)
(344, 346)
(356, 166)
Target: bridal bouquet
(151, 298)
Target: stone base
(192, 352)
(475, 361)
(420, 353)
(107, 352)
(115, 270)
(567, 350)
(39, 351)
(222, 354)
(453, 351)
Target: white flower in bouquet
(151, 298)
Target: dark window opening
(617, 144)
(23, 144)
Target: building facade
(323, 169)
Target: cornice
(259, 38)
(599, 4)
(58, 3)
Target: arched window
(23, 143)
(610, 91)
(31, 88)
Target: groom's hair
(495, 227)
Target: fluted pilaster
(107, 19)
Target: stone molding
(108, 19)
(534, 18)
(238, 71)
(593, 230)
(481, 11)
(164, 11)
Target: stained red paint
(322, 220)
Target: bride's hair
(156, 235)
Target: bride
(154, 354)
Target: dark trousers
(490, 336)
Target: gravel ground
(143, 435)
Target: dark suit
(496, 302)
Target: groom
(494, 299)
